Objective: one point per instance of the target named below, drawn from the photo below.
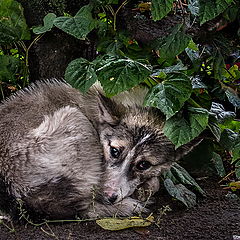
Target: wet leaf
(78, 26)
(115, 224)
(220, 113)
(80, 74)
(237, 168)
(160, 8)
(182, 128)
(122, 74)
(228, 139)
(236, 152)
(170, 95)
(13, 25)
(174, 43)
(211, 9)
(233, 98)
(184, 177)
(193, 6)
(9, 67)
(172, 69)
(181, 193)
(47, 24)
(215, 129)
(197, 83)
(218, 163)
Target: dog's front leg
(126, 207)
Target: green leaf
(122, 74)
(182, 128)
(237, 169)
(236, 152)
(13, 25)
(181, 193)
(174, 44)
(211, 9)
(197, 82)
(184, 177)
(228, 139)
(233, 98)
(218, 66)
(9, 67)
(78, 26)
(215, 129)
(172, 69)
(47, 24)
(160, 8)
(80, 74)
(193, 6)
(220, 114)
(170, 95)
(218, 163)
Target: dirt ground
(216, 217)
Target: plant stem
(193, 103)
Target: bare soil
(216, 217)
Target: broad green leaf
(181, 193)
(228, 139)
(170, 95)
(115, 224)
(122, 74)
(220, 114)
(78, 26)
(218, 66)
(211, 9)
(80, 74)
(197, 83)
(160, 8)
(237, 167)
(192, 45)
(193, 6)
(233, 98)
(13, 25)
(215, 129)
(218, 163)
(182, 128)
(236, 153)
(47, 24)
(172, 69)
(174, 44)
(9, 67)
(184, 177)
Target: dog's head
(134, 146)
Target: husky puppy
(63, 153)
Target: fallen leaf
(115, 224)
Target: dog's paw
(147, 190)
(126, 207)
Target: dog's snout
(112, 198)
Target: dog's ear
(109, 111)
(186, 148)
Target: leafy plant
(14, 73)
(191, 80)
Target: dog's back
(48, 148)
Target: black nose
(113, 198)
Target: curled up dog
(63, 153)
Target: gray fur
(55, 151)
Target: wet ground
(216, 217)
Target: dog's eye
(143, 165)
(115, 153)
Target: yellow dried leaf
(235, 185)
(115, 224)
